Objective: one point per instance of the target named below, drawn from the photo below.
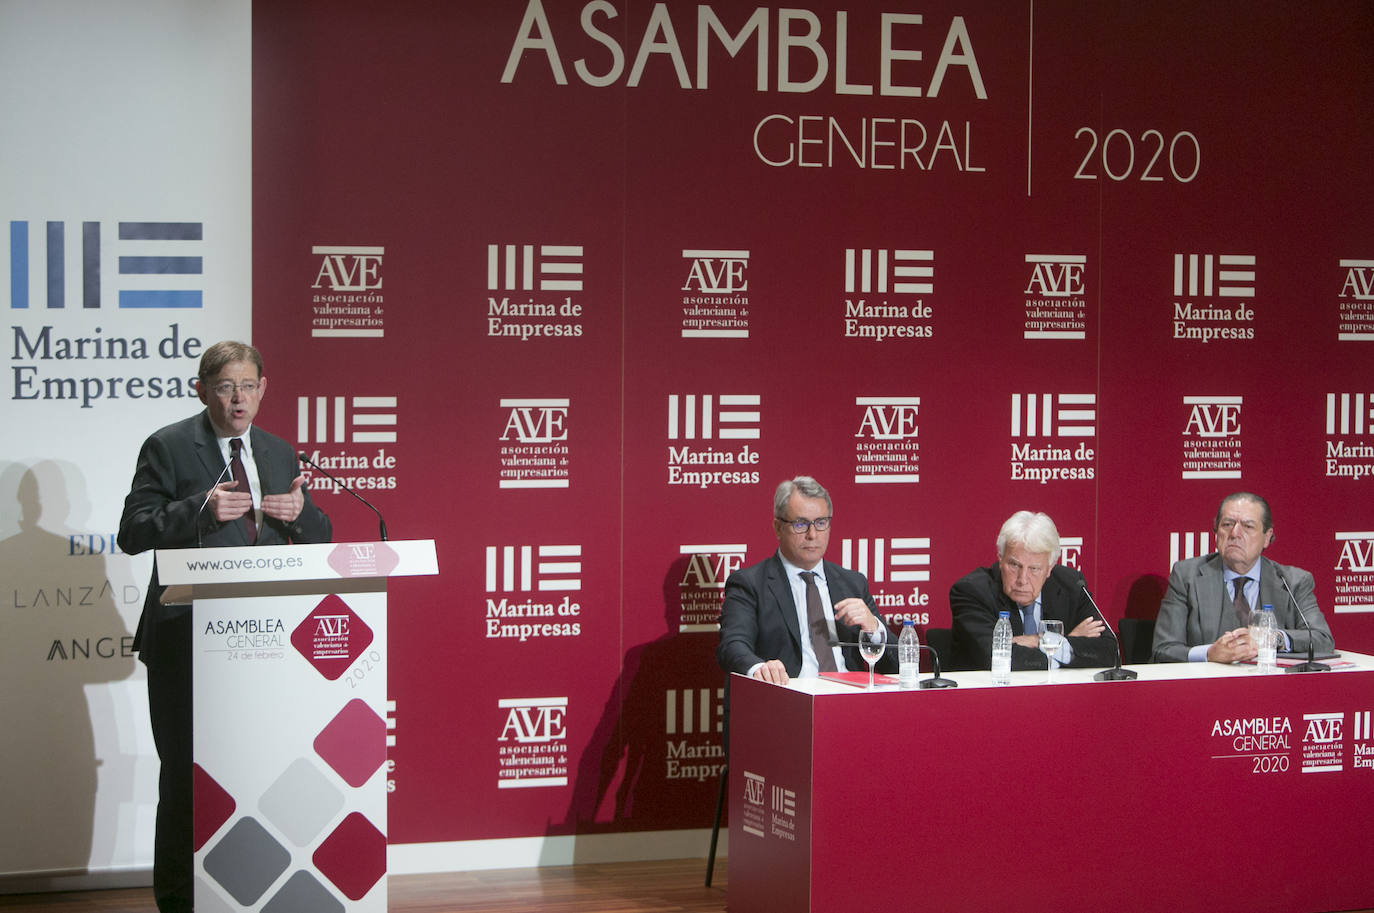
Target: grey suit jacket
(758, 619)
(1197, 607)
(176, 468)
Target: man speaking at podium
(209, 480)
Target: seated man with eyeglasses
(211, 479)
(781, 615)
(1030, 585)
(1205, 614)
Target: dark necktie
(1241, 604)
(250, 528)
(815, 622)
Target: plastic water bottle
(1001, 650)
(908, 656)
(1264, 631)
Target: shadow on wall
(60, 630)
(1137, 625)
(654, 759)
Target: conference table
(1196, 786)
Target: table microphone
(1116, 674)
(936, 682)
(381, 524)
(1310, 665)
(213, 486)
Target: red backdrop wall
(1107, 261)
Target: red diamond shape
(354, 743)
(331, 637)
(212, 806)
(353, 857)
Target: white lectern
(289, 651)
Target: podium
(289, 654)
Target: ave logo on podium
(331, 637)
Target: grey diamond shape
(246, 861)
(303, 893)
(301, 802)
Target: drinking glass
(1051, 638)
(871, 645)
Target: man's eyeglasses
(225, 388)
(801, 526)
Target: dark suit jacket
(176, 468)
(976, 599)
(1197, 609)
(758, 620)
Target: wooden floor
(676, 886)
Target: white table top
(1358, 662)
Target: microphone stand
(1311, 665)
(213, 485)
(381, 524)
(1115, 674)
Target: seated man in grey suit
(1030, 585)
(780, 615)
(1206, 612)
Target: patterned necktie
(250, 528)
(1241, 604)
(815, 622)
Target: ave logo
(1359, 280)
(331, 626)
(716, 272)
(709, 565)
(888, 418)
(536, 421)
(1216, 416)
(1323, 727)
(1357, 553)
(1056, 275)
(349, 269)
(753, 788)
(332, 637)
(534, 720)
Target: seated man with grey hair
(1205, 614)
(1028, 583)
(780, 616)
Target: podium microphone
(381, 524)
(1116, 674)
(935, 682)
(213, 486)
(1310, 665)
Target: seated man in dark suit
(1027, 582)
(1204, 616)
(212, 479)
(780, 615)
